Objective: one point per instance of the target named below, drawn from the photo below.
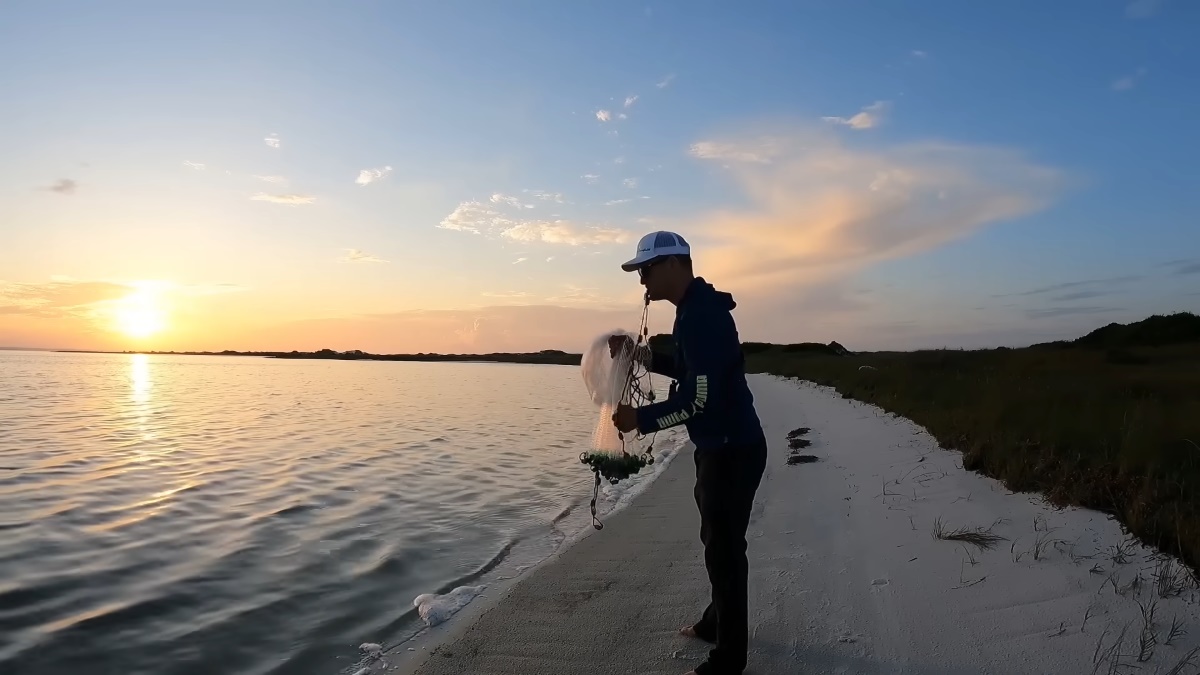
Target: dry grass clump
(983, 537)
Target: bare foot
(690, 631)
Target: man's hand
(625, 418)
(616, 343)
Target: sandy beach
(846, 573)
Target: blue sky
(890, 175)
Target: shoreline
(525, 559)
(882, 555)
(673, 483)
(544, 357)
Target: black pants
(726, 481)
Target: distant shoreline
(546, 356)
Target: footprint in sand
(879, 582)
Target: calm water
(240, 515)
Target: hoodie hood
(703, 293)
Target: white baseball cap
(656, 245)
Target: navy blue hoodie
(712, 398)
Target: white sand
(846, 575)
(849, 579)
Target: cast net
(615, 372)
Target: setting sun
(140, 314)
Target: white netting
(610, 381)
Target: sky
(467, 176)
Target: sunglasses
(644, 270)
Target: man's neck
(681, 292)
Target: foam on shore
(435, 609)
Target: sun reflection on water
(141, 386)
(139, 378)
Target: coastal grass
(982, 537)
(1112, 428)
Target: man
(711, 398)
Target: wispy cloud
(828, 297)
(471, 217)
(1080, 295)
(509, 200)
(59, 298)
(1129, 81)
(1141, 9)
(284, 199)
(867, 118)
(819, 208)
(556, 197)
(630, 183)
(91, 300)
(195, 165)
(761, 150)
(1184, 267)
(1053, 312)
(368, 176)
(918, 53)
(590, 178)
(565, 232)
(507, 295)
(603, 115)
(630, 100)
(582, 296)
(519, 261)
(550, 259)
(63, 186)
(665, 82)
(272, 140)
(277, 180)
(479, 218)
(1082, 283)
(615, 202)
(354, 255)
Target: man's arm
(658, 362)
(707, 351)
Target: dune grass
(1113, 429)
(983, 537)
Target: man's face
(654, 276)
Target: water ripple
(165, 514)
